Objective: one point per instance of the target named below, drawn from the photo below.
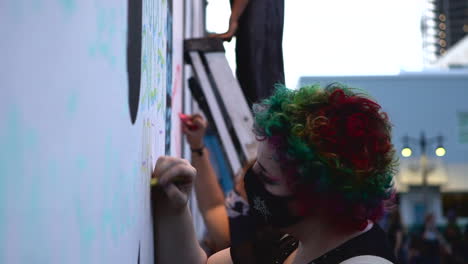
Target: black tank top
(373, 242)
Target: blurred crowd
(430, 243)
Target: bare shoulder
(221, 257)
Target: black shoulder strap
(286, 246)
(373, 242)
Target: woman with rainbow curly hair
(323, 177)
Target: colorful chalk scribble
(154, 49)
(156, 79)
(148, 133)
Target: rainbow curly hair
(334, 145)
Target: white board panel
(74, 170)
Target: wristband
(199, 151)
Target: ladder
(220, 97)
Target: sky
(341, 37)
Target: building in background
(444, 24)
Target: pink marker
(188, 122)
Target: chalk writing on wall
(72, 166)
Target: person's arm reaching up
(210, 197)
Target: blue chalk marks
(115, 185)
(72, 103)
(69, 6)
(109, 42)
(17, 142)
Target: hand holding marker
(194, 128)
(175, 178)
(178, 180)
(187, 121)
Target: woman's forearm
(210, 198)
(237, 9)
(209, 193)
(175, 240)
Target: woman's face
(268, 168)
(267, 191)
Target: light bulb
(406, 152)
(440, 151)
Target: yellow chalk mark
(154, 181)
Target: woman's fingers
(164, 163)
(196, 116)
(176, 196)
(175, 170)
(175, 177)
(185, 129)
(176, 180)
(199, 121)
(180, 174)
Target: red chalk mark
(177, 78)
(177, 102)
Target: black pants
(259, 51)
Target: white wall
(74, 171)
